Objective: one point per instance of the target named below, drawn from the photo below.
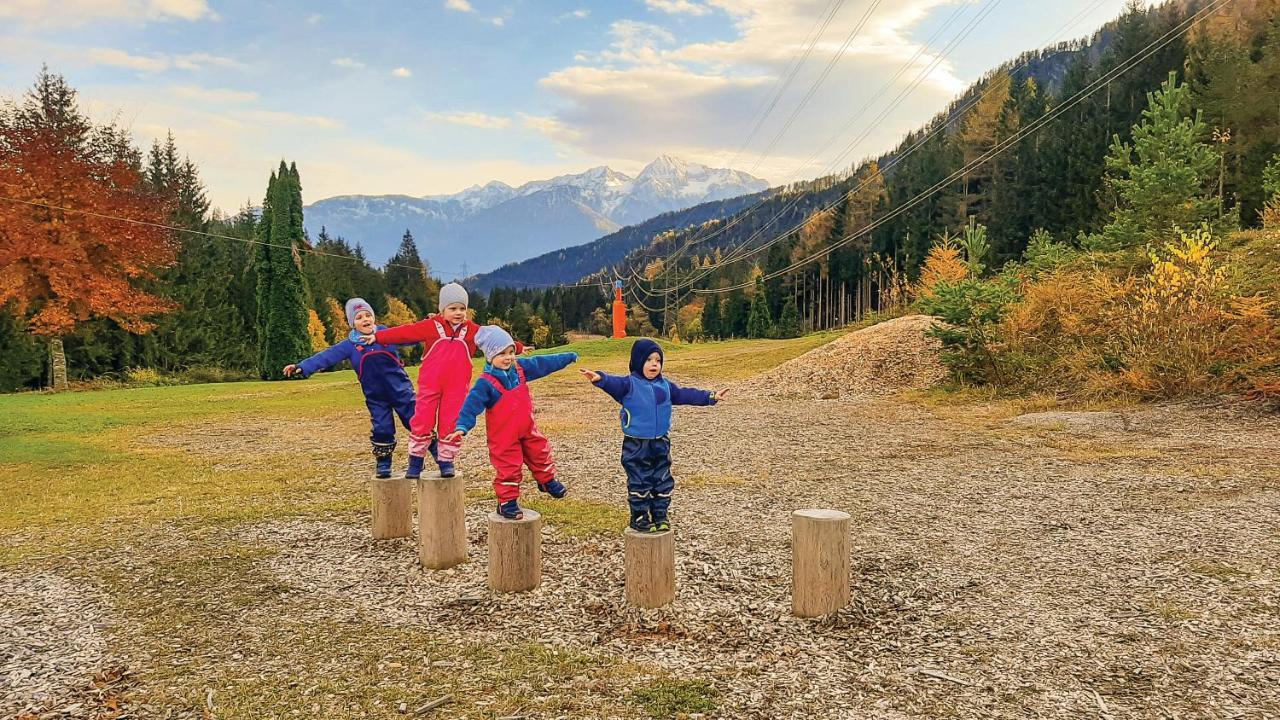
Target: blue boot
(554, 488)
(640, 522)
(382, 457)
(446, 469)
(511, 510)
(415, 468)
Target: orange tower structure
(619, 311)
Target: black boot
(382, 456)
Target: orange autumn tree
(64, 259)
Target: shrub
(970, 310)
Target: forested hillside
(1024, 150)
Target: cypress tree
(759, 323)
(283, 308)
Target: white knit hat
(453, 293)
(492, 340)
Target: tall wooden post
(442, 521)
(515, 552)
(820, 562)
(392, 500)
(651, 568)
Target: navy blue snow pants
(649, 480)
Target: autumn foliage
(63, 258)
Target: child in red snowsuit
(449, 339)
(502, 392)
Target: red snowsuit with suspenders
(515, 440)
(443, 379)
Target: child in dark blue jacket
(647, 398)
(387, 390)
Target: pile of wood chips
(883, 359)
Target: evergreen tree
(282, 316)
(711, 317)
(789, 322)
(1163, 179)
(736, 311)
(759, 323)
(408, 278)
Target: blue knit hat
(355, 305)
(492, 340)
(640, 352)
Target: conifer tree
(789, 322)
(282, 317)
(1162, 180)
(409, 278)
(759, 324)
(711, 317)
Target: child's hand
(592, 375)
(454, 436)
(528, 349)
(718, 395)
(368, 339)
(291, 370)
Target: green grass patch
(671, 697)
(579, 518)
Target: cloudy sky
(433, 96)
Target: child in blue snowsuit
(647, 398)
(387, 390)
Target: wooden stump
(651, 568)
(442, 521)
(515, 552)
(820, 562)
(392, 500)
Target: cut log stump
(442, 521)
(651, 568)
(515, 552)
(820, 562)
(392, 501)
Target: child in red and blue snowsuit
(387, 390)
(647, 398)
(502, 392)
(443, 378)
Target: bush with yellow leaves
(944, 263)
(1176, 330)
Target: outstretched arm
(693, 396)
(408, 334)
(617, 386)
(322, 360)
(543, 365)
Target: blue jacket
(378, 366)
(646, 404)
(484, 395)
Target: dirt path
(1046, 568)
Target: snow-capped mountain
(486, 226)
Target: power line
(1000, 147)
(741, 252)
(919, 79)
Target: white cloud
(459, 5)
(113, 57)
(647, 93)
(346, 62)
(580, 14)
(313, 19)
(213, 95)
(678, 6)
(402, 72)
(73, 13)
(498, 21)
(288, 119)
(471, 119)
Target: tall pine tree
(409, 279)
(283, 305)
